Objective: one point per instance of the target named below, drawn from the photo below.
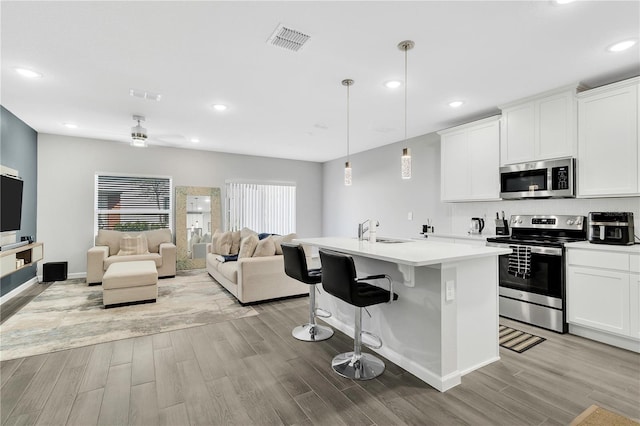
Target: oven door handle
(551, 251)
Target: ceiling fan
(140, 136)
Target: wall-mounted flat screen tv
(11, 205)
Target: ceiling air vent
(287, 38)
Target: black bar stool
(339, 279)
(295, 266)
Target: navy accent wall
(19, 151)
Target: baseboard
(22, 287)
(70, 276)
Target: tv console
(23, 256)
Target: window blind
(261, 207)
(132, 203)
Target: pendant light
(405, 160)
(347, 166)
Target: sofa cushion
(109, 238)
(229, 270)
(248, 246)
(133, 244)
(279, 239)
(265, 247)
(235, 242)
(156, 237)
(149, 256)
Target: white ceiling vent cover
(287, 38)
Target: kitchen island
(445, 321)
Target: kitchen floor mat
(516, 340)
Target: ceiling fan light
(139, 143)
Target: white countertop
(410, 252)
(586, 245)
(459, 236)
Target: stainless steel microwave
(539, 179)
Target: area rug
(598, 416)
(516, 340)
(70, 314)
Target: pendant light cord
(405, 93)
(348, 86)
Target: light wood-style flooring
(251, 371)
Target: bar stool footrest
(321, 313)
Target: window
(132, 203)
(261, 207)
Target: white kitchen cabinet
(469, 161)
(598, 299)
(608, 154)
(634, 296)
(541, 127)
(603, 293)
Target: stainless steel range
(532, 277)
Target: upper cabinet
(539, 128)
(469, 163)
(608, 154)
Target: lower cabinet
(603, 296)
(599, 299)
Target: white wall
(67, 167)
(379, 192)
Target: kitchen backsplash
(461, 213)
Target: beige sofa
(257, 275)
(117, 246)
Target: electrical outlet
(410, 216)
(450, 291)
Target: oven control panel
(548, 221)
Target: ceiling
(292, 104)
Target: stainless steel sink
(389, 241)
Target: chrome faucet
(362, 228)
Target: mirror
(198, 215)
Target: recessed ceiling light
(456, 104)
(219, 107)
(393, 84)
(70, 125)
(623, 45)
(564, 1)
(28, 73)
(195, 140)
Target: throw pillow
(214, 242)
(245, 232)
(248, 246)
(279, 239)
(131, 245)
(235, 242)
(265, 247)
(223, 244)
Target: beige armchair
(107, 250)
